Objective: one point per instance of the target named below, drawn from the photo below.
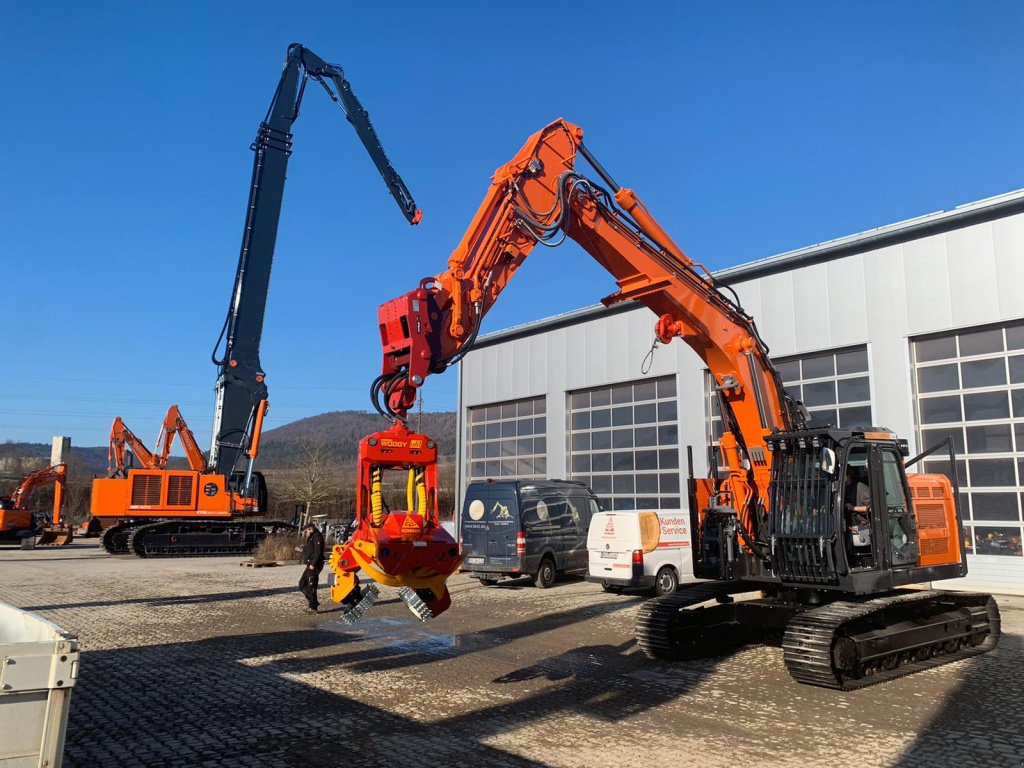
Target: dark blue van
(535, 528)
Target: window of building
(834, 386)
(624, 443)
(969, 385)
(508, 440)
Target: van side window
(558, 515)
(594, 507)
(573, 505)
(530, 515)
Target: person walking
(313, 563)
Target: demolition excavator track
(847, 645)
(115, 538)
(187, 538)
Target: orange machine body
(165, 493)
(935, 511)
(153, 491)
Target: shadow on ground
(235, 700)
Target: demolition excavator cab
(847, 515)
(398, 539)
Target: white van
(648, 549)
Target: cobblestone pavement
(203, 663)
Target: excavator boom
(540, 198)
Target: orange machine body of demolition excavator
(776, 521)
(133, 497)
(17, 518)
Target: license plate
(474, 561)
(610, 555)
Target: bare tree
(314, 481)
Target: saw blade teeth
(370, 595)
(419, 608)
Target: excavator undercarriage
(844, 644)
(189, 538)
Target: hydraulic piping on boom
(778, 520)
(215, 506)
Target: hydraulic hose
(376, 501)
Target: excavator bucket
(55, 537)
(405, 549)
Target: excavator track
(115, 538)
(665, 630)
(177, 538)
(824, 646)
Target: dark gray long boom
(240, 381)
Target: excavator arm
(122, 438)
(541, 198)
(241, 391)
(174, 424)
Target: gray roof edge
(987, 209)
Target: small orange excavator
(17, 518)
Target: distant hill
(18, 459)
(281, 448)
(341, 431)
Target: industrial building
(917, 326)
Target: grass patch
(279, 547)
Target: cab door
(893, 520)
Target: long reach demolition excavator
(218, 506)
(833, 587)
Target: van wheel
(666, 581)
(609, 588)
(488, 582)
(545, 574)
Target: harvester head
(407, 549)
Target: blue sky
(748, 128)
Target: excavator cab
(847, 515)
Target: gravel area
(202, 663)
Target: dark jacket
(313, 550)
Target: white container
(38, 669)
(642, 549)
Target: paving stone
(202, 663)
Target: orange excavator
(832, 584)
(218, 505)
(17, 518)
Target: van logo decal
(476, 509)
(501, 510)
(610, 525)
